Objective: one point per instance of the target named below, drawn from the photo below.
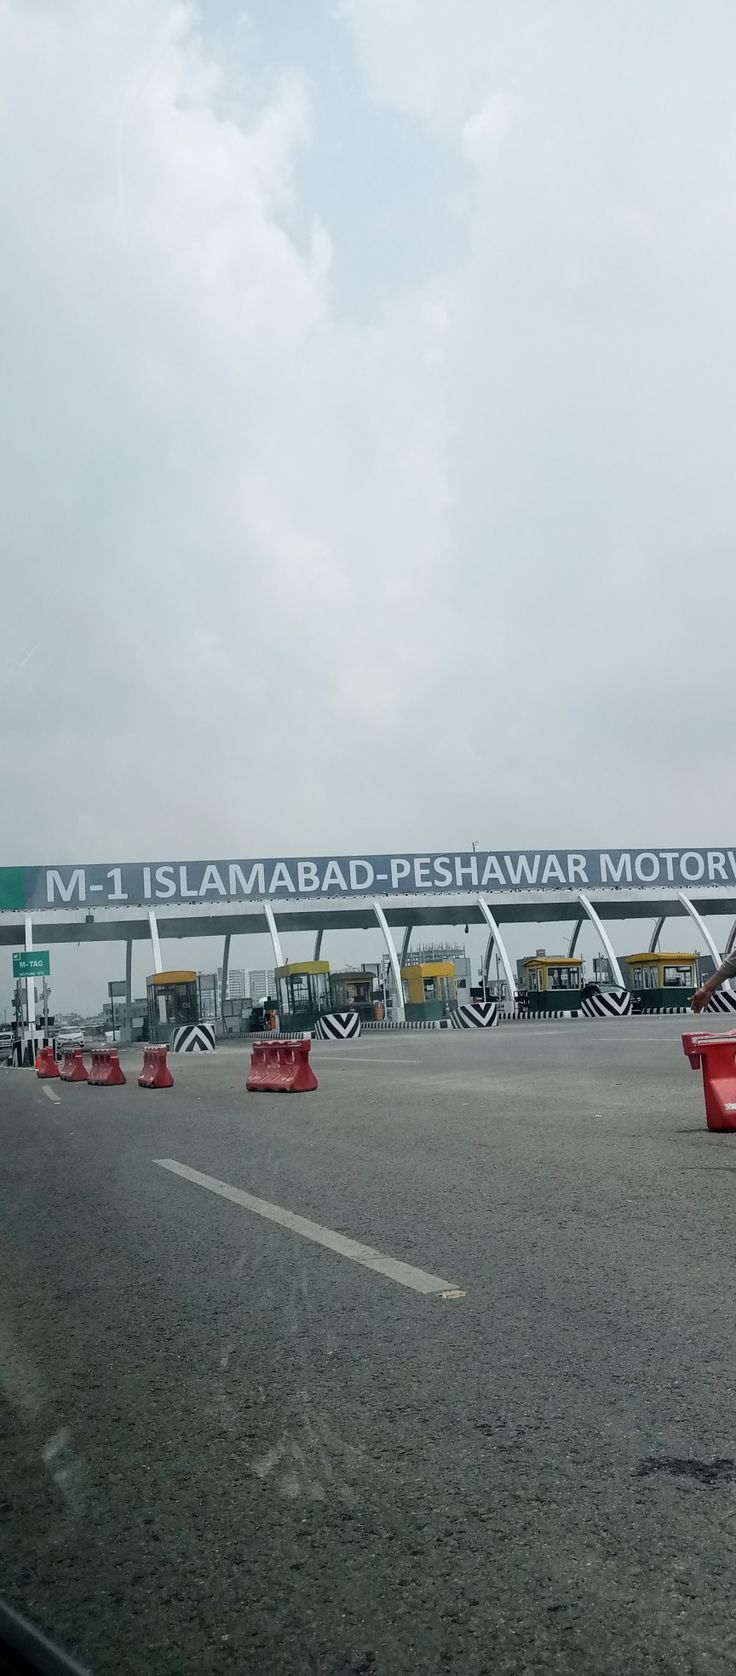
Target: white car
(6, 1044)
(68, 1039)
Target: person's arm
(727, 969)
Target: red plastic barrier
(46, 1065)
(717, 1055)
(281, 1067)
(73, 1068)
(257, 1076)
(106, 1070)
(155, 1073)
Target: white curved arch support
(394, 959)
(595, 920)
(576, 930)
(656, 934)
(278, 957)
(225, 972)
(155, 944)
(698, 920)
(488, 956)
(502, 949)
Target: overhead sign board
(33, 964)
(177, 883)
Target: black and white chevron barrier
(193, 1038)
(476, 1015)
(536, 1018)
(276, 1035)
(651, 1012)
(408, 1024)
(338, 1027)
(611, 1003)
(722, 1001)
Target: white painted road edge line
(51, 1094)
(405, 1275)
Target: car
(69, 1038)
(6, 1044)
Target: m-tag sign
(33, 964)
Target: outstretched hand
(700, 1000)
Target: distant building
(138, 1014)
(237, 983)
(261, 983)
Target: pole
(112, 1009)
(29, 1039)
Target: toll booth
(661, 980)
(352, 992)
(172, 999)
(304, 991)
(553, 982)
(430, 989)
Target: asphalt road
(228, 1448)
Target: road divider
(193, 1038)
(46, 1065)
(281, 1067)
(608, 1003)
(73, 1068)
(106, 1070)
(155, 1073)
(338, 1027)
(475, 1015)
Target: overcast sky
(367, 411)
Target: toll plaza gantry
(129, 902)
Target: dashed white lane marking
(51, 1094)
(403, 1273)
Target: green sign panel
(12, 888)
(34, 964)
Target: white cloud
(484, 132)
(296, 570)
(220, 495)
